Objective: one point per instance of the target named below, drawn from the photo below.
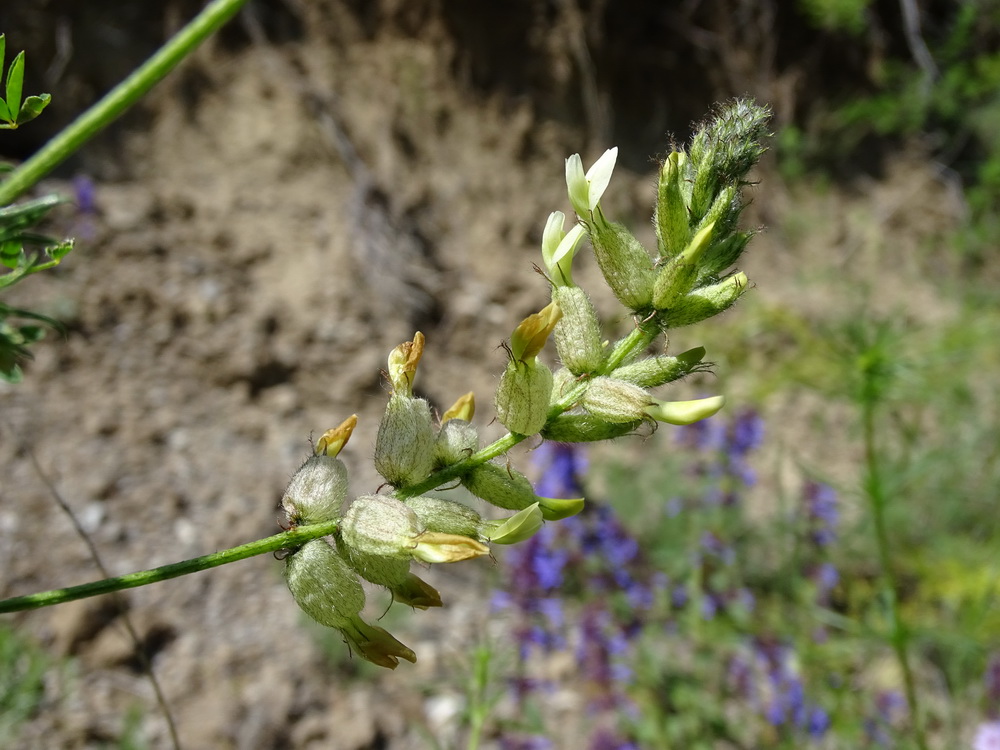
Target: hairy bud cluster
(601, 392)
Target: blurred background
(325, 177)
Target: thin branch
(118, 598)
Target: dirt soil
(283, 214)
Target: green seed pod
(394, 574)
(624, 262)
(585, 428)
(578, 333)
(404, 448)
(446, 516)
(316, 491)
(704, 303)
(522, 397)
(613, 400)
(327, 590)
(323, 584)
(380, 525)
(456, 441)
(654, 371)
(501, 486)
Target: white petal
(576, 182)
(551, 237)
(569, 244)
(599, 175)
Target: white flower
(559, 247)
(585, 191)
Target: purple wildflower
(987, 736)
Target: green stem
(120, 98)
(292, 538)
(878, 499)
(640, 337)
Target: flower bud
(613, 400)
(316, 491)
(654, 371)
(523, 395)
(585, 191)
(556, 509)
(722, 255)
(672, 220)
(464, 409)
(585, 428)
(705, 302)
(678, 275)
(685, 412)
(333, 440)
(624, 262)
(559, 247)
(501, 486)
(404, 447)
(528, 339)
(327, 590)
(403, 361)
(394, 574)
(578, 333)
(516, 529)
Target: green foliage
(24, 252)
(846, 16)
(14, 111)
(22, 687)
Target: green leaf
(15, 81)
(10, 253)
(33, 107)
(3, 49)
(59, 251)
(4, 112)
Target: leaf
(3, 49)
(60, 251)
(4, 112)
(15, 81)
(10, 252)
(33, 107)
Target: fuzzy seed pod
(624, 262)
(383, 526)
(327, 590)
(585, 428)
(522, 397)
(613, 400)
(446, 516)
(578, 333)
(404, 448)
(316, 491)
(456, 441)
(501, 486)
(380, 525)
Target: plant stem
(120, 98)
(295, 537)
(878, 499)
(640, 337)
